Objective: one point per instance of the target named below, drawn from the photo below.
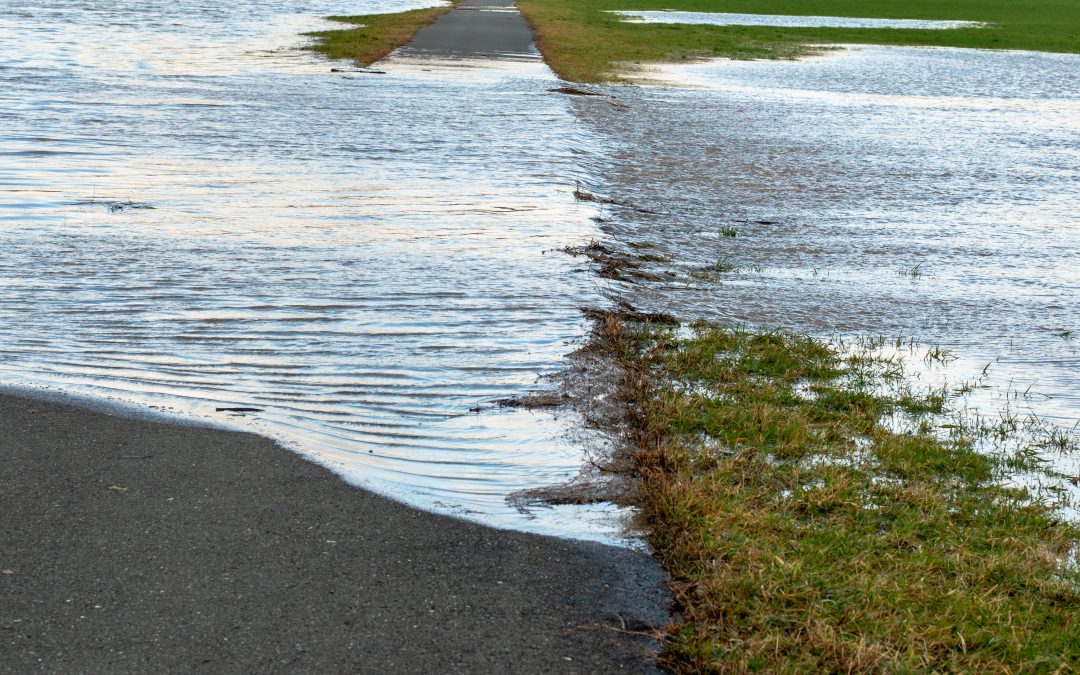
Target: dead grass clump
(619, 266)
(532, 401)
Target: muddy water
(926, 193)
(194, 215)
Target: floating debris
(114, 206)
(363, 71)
(627, 313)
(543, 400)
(574, 91)
(619, 266)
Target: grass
(373, 35)
(804, 530)
(715, 272)
(582, 42)
(914, 272)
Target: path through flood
(194, 215)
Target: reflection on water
(789, 21)
(928, 193)
(192, 217)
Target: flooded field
(928, 194)
(195, 216)
(783, 20)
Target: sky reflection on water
(195, 215)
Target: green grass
(584, 43)
(373, 36)
(804, 534)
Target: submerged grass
(373, 35)
(582, 41)
(803, 533)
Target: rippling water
(195, 215)
(928, 193)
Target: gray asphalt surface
(475, 29)
(139, 546)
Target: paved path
(475, 29)
(136, 546)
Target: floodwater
(789, 21)
(196, 215)
(931, 194)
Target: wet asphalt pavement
(131, 545)
(475, 29)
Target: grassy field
(804, 532)
(372, 36)
(582, 42)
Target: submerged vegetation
(373, 36)
(583, 41)
(816, 513)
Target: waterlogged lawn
(583, 41)
(806, 530)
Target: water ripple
(194, 216)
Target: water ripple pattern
(927, 193)
(195, 215)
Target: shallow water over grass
(195, 215)
(788, 21)
(932, 194)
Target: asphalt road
(475, 29)
(130, 545)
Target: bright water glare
(196, 215)
(789, 21)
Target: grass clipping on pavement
(805, 531)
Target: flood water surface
(932, 194)
(194, 215)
